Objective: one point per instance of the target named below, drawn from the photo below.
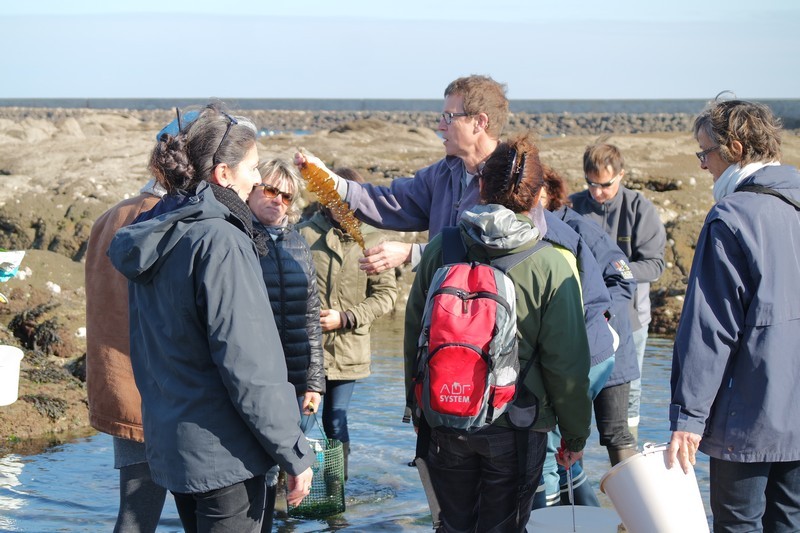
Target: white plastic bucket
(10, 357)
(558, 519)
(651, 498)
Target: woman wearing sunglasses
(290, 279)
(291, 282)
(218, 412)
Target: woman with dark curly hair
(218, 410)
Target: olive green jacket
(345, 287)
(550, 321)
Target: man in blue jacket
(475, 111)
(736, 361)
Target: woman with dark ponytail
(478, 477)
(218, 412)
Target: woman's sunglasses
(271, 192)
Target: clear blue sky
(542, 49)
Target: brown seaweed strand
(320, 183)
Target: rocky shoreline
(61, 168)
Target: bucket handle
(652, 447)
(304, 426)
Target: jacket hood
(783, 178)
(138, 250)
(498, 228)
(320, 221)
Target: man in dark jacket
(610, 378)
(632, 222)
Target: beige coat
(345, 287)
(114, 401)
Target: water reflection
(10, 470)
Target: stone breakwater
(544, 124)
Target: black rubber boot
(619, 455)
(269, 509)
(345, 454)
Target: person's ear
(736, 150)
(621, 174)
(220, 175)
(483, 121)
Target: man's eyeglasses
(704, 154)
(448, 117)
(271, 192)
(605, 185)
(231, 122)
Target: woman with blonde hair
(289, 275)
(288, 272)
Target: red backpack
(467, 364)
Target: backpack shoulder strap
(507, 262)
(453, 248)
(768, 190)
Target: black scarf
(242, 217)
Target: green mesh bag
(327, 486)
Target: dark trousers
(335, 404)
(238, 508)
(140, 500)
(755, 496)
(478, 482)
(611, 417)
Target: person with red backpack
(484, 472)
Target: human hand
(683, 447)
(330, 319)
(386, 255)
(567, 458)
(311, 401)
(299, 487)
(302, 157)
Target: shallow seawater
(73, 487)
